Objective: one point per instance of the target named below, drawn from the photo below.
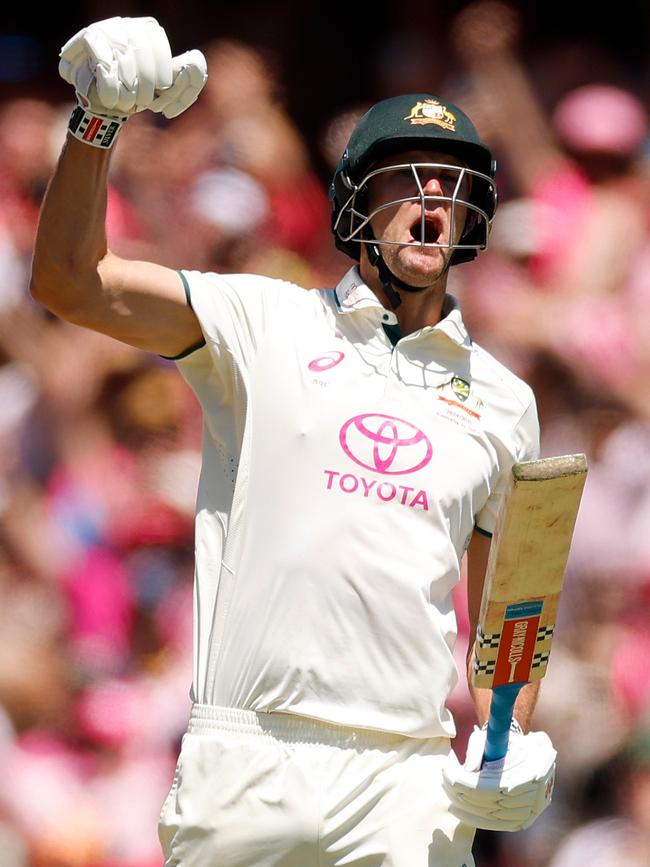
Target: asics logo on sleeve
(326, 362)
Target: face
(410, 222)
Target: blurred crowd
(100, 443)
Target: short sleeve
(522, 445)
(235, 310)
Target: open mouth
(432, 230)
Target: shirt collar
(353, 294)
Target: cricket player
(356, 445)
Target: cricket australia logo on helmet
(432, 111)
(385, 444)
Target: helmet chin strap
(388, 280)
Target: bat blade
(528, 556)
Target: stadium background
(99, 444)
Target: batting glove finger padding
(506, 795)
(494, 822)
(190, 72)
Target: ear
(470, 222)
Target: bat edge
(550, 468)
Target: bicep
(139, 303)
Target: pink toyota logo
(385, 444)
(325, 362)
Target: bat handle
(501, 708)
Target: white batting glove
(505, 795)
(120, 66)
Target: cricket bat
(526, 565)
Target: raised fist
(120, 66)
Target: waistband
(291, 728)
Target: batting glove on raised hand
(504, 795)
(120, 66)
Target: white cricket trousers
(278, 790)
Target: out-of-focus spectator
(255, 134)
(579, 289)
(336, 133)
(621, 836)
(27, 156)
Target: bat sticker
(518, 639)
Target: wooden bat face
(528, 556)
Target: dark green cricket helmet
(416, 121)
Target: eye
(452, 175)
(392, 184)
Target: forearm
(71, 238)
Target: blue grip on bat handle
(503, 702)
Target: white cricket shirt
(342, 478)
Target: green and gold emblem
(460, 387)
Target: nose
(432, 187)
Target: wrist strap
(94, 129)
